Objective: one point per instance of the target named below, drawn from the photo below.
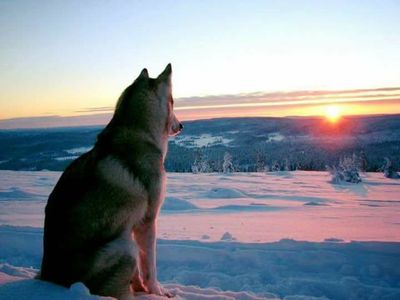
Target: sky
(70, 60)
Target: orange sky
(295, 103)
(293, 110)
(272, 104)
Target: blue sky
(62, 57)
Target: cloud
(56, 121)
(96, 109)
(294, 103)
(260, 99)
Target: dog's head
(148, 104)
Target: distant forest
(254, 144)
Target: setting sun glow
(332, 113)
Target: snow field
(285, 235)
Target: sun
(332, 113)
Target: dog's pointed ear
(144, 74)
(166, 74)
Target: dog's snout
(175, 127)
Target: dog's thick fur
(100, 224)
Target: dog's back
(65, 233)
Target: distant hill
(308, 143)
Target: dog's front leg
(145, 236)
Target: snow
(202, 140)
(78, 150)
(15, 193)
(36, 289)
(62, 158)
(292, 235)
(275, 137)
(224, 193)
(176, 204)
(332, 269)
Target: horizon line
(295, 103)
(76, 125)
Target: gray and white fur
(100, 223)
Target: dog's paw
(138, 288)
(157, 289)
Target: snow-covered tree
(337, 176)
(260, 166)
(275, 167)
(287, 166)
(346, 171)
(227, 165)
(260, 161)
(205, 166)
(388, 169)
(362, 162)
(201, 164)
(195, 167)
(349, 169)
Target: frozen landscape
(280, 235)
(306, 143)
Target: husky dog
(100, 224)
